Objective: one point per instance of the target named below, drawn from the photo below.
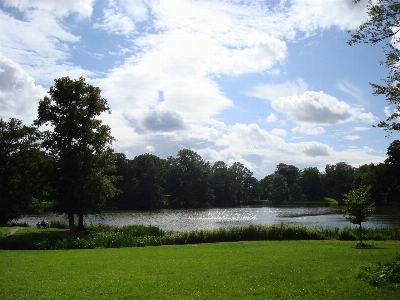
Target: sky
(256, 82)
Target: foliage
(310, 182)
(393, 170)
(382, 274)
(382, 25)
(358, 207)
(79, 144)
(339, 179)
(22, 168)
(141, 182)
(290, 172)
(277, 188)
(188, 180)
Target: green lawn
(241, 270)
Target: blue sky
(259, 82)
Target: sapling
(358, 207)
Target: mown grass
(240, 270)
(101, 236)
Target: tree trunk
(71, 222)
(361, 242)
(80, 222)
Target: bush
(382, 274)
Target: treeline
(27, 178)
(187, 180)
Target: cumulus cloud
(271, 118)
(367, 117)
(18, 92)
(314, 107)
(313, 149)
(279, 131)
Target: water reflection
(196, 219)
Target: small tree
(358, 207)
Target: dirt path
(14, 230)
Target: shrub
(382, 274)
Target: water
(214, 218)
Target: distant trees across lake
(187, 181)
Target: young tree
(80, 145)
(383, 24)
(21, 164)
(358, 207)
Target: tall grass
(103, 236)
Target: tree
(222, 184)
(383, 25)
(339, 179)
(22, 164)
(243, 189)
(147, 182)
(358, 207)
(393, 170)
(80, 145)
(277, 188)
(289, 171)
(188, 180)
(310, 183)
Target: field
(238, 270)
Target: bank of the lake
(242, 270)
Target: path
(14, 230)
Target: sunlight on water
(197, 219)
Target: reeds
(103, 236)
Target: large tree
(383, 25)
(22, 168)
(188, 180)
(310, 183)
(80, 145)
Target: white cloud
(150, 148)
(350, 89)
(367, 117)
(115, 23)
(352, 137)
(279, 131)
(271, 118)
(361, 128)
(309, 15)
(308, 130)
(82, 8)
(274, 91)
(18, 92)
(315, 108)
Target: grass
(239, 270)
(101, 236)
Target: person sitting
(44, 224)
(38, 225)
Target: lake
(214, 218)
